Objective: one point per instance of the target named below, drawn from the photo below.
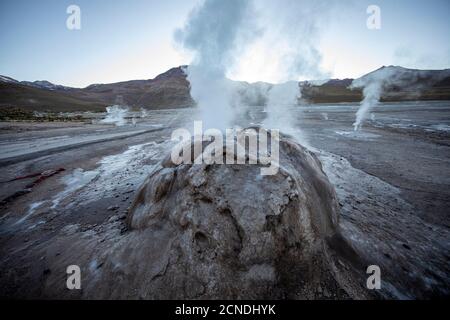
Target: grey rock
(223, 231)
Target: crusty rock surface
(234, 233)
(218, 231)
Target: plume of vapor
(144, 113)
(286, 48)
(293, 40)
(376, 83)
(212, 33)
(281, 99)
(254, 94)
(276, 38)
(116, 114)
(373, 85)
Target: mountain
(43, 84)
(332, 91)
(412, 74)
(399, 84)
(168, 90)
(30, 98)
(7, 79)
(171, 90)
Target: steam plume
(212, 32)
(294, 45)
(116, 115)
(227, 36)
(374, 84)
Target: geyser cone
(236, 234)
(218, 231)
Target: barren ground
(392, 180)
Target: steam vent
(225, 231)
(221, 231)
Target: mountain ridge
(170, 89)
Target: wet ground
(392, 179)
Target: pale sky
(133, 39)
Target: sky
(123, 40)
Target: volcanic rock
(199, 231)
(231, 233)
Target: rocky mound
(232, 233)
(219, 231)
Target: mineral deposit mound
(227, 232)
(217, 231)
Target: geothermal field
(201, 151)
(70, 196)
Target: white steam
(252, 40)
(291, 46)
(372, 85)
(144, 113)
(281, 99)
(286, 48)
(116, 115)
(410, 82)
(212, 32)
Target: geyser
(116, 115)
(391, 78)
(229, 232)
(281, 98)
(226, 37)
(240, 146)
(212, 34)
(217, 231)
(373, 86)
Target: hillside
(406, 84)
(31, 98)
(171, 90)
(333, 91)
(168, 90)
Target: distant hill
(171, 90)
(332, 91)
(409, 84)
(30, 98)
(44, 84)
(168, 90)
